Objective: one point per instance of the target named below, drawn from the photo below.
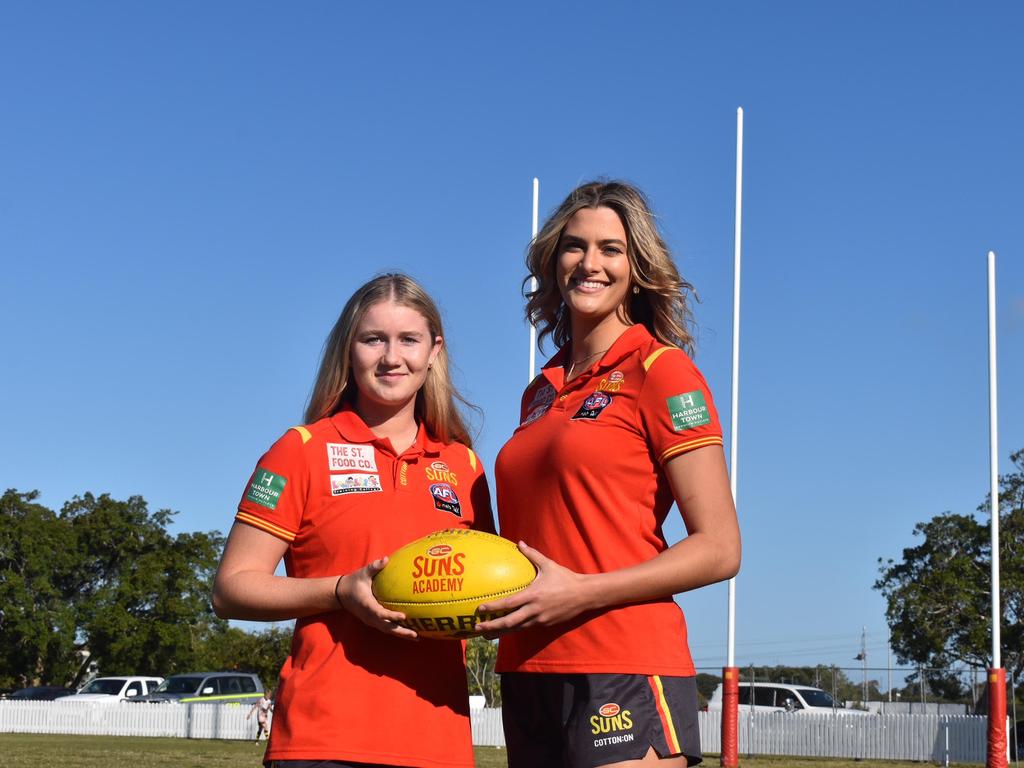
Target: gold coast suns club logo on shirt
(613, 382)
(445, 498)
(542, 400)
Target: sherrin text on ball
(439, 580)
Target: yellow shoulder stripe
(472, 458)
(688, 446)
(304, 434)
(654, 356)
(265, 525)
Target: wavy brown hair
(435, 402)
(660, 304)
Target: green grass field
(22, 750)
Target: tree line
(104, 582)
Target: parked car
(783, 697)
(41, 693)
(207, 687)
(110, 690)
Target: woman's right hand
(354, 591)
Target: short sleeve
(480, 496)
(676, 411)
(274, 499)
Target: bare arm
(246, 587)
(709, 553)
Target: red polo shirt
(582, 480)
(341, 498)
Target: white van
(783, 697)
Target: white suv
(783, 697)
(110, 690)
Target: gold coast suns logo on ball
(439, 570)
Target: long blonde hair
(660, 304)
(435, 402)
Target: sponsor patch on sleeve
(688, 410)
(266, 488)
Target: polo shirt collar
(630, 340)
(352, 428)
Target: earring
(636, 289)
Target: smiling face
(391, 352)
(593, 271)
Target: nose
(390, 356)
(591, 259)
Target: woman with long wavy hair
(619, 425)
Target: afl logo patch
(593, 405)
(446, 499)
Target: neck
(397, 424)
(589, 339)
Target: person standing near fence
(262, 707)
(333, 498)
(619, 425)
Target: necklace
(574, 363)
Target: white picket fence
(935, 738)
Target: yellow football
(438, 581)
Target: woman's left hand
(555, 596)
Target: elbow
(223, 607)
(730, 563)
(220, 609)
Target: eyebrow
(381, 332)
(609, 241)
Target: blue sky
(190, 191)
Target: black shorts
(585, 720)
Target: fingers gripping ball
(438, 581)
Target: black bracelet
(336, 585)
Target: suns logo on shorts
(611, 718)
(593, 405)
(446, 499)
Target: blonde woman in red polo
(331, 498)
(620, 424)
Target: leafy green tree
(938, 595)
(103, 581)
(481, 655)
(143, 595)
(37, 623)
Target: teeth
(589, 284)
